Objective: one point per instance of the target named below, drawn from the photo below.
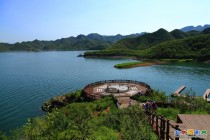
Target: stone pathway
(124, 102)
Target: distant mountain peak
(161, 30)
(81, 36)
(118, 35)
(197, 28)
(91, 34)
(176, 30)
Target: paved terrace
(116, 88)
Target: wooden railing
(162, 126)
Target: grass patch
(155, 95)
(88, 120)
(178, 60)
(127, 64)
(170, 113)
(139, 64)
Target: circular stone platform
(115, 88)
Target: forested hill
(150, 39)
(196, 47)
(81, 42)
(144, 41)
(162, 44)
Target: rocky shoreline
(61, 101)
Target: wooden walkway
(165, 128)
(179, 90)
(206, 94)
(196, 122)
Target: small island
(139, 64)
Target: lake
(27, 79)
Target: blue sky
(26, 20)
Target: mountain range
(197, 28)
(162, 44)
(96, 41)
(92, 41)
(150, 39)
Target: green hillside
(206, 31)
(29, 45)
(74, 117)
(81, 42)
(194, 33)
(177, 34)
(197, 47)
(4, 46)
(144, 41)
(162, 44)
(112, 52)
(112, 39)
(96, 120)
(150, 39)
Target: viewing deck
(116, 88)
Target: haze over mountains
(197, 28)
(92, 41)
(96, 41)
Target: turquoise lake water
(27, 79)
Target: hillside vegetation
(139, 64)
(162, 44)
(197, 47)
(81, 42)
(79, 118)
(150, 39)
(99, 120)
(144, 41)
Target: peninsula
(161, 45)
